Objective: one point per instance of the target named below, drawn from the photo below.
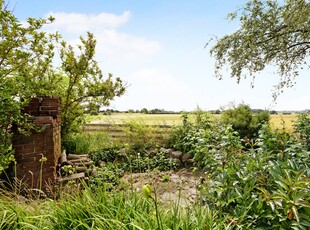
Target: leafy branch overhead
(270, 34)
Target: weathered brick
(29, 150)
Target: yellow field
(277, 121)
(148, 119)
(283, 121)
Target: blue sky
(157, 48)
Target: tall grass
(84, 143)
(101, 210)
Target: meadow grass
(100, 209)
(283, 121)
(148, 119)
(277, 121)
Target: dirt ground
(171, 188)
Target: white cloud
(79, 23)
(112, 45)
(122, 48)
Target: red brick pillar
(30, 150)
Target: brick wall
(29, 150)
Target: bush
(106, 177)
(246, 123)
(183, 136)
(109, 153)
(302, 127)
(256, 183)
(140, 136)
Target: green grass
(101, 210)
(88, 142)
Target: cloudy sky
(157, 48)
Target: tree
(83, 84)
(26, 55)
(144, 110)
(270, 34)
(27, 70)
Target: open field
(148, 119)
(277, 121)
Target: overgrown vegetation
(255, 177)
(258, 181)
(102, 210)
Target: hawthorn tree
(271, 33)
(27, 70)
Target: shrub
(183, 136)
(109, 153)
(246, 123)
(254, 183)
(128, 162)
(302, 127)
(262, 187)
(106, 177)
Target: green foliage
(27, 70)
(150, 161)
(271, 33)
(84, 143)
(92, 109)
(25, 54)
(244, 121)
(128, 162)
(183, 136)
(83, 84)
(258, 183)
(100, 209)
(302, 127)
(109, 153)
(140, 136)
(106, 177)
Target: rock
(167, 151)
(186, 157)
(163, 150)
(176, 155)
(153, 150)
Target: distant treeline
(144, 110)
(217, 111)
